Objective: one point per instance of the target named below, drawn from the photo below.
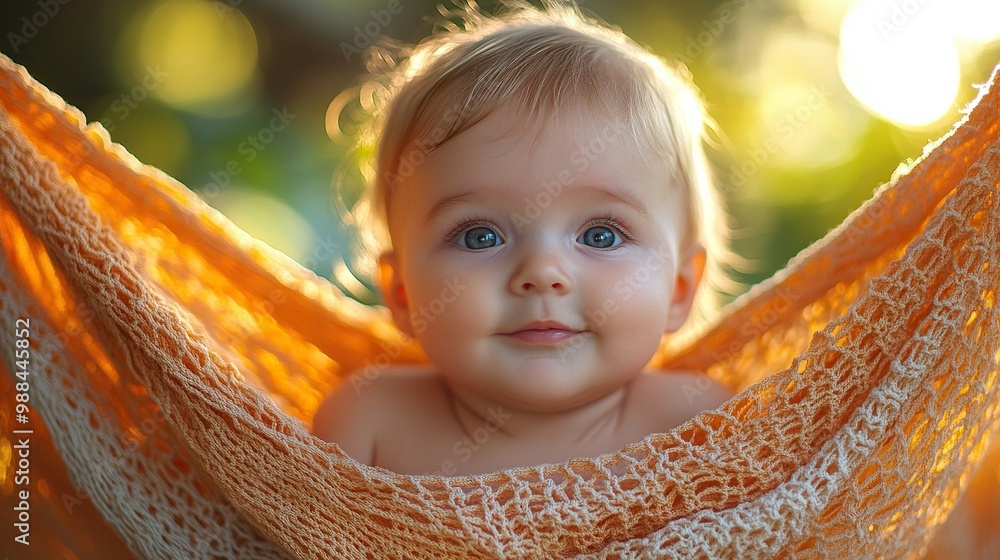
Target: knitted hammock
(175, 362)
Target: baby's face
(539, 269)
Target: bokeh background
(816, 101)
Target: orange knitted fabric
(175, 360)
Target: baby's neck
(585, 424)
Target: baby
(550, 217)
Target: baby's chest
(438, 445)
(434, 444)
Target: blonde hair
(536, 61)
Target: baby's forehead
(611, 91)
(583, 134)
(573, 163)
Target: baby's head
(545, 203)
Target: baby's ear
(394, 292)
(689, 273)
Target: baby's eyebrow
(590, 193)
(602, 193)
(465, 196)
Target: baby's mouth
(543, 332)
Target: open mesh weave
(176, 362)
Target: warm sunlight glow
(975, 20)
(899, 60)
(803, 109)
(199, 52)
(269, 220)
(824, 14)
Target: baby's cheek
(627, 286)
(450, 303)
(636, 302)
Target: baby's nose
(541, 274)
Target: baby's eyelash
(614, 222)
(609, 220)
(467, 223)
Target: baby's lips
(543, 332)
(544, 325)
(543, 336)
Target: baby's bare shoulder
(353, 414)
(683, 394)
(387, 384)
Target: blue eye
(600, 237)
(478, 238)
